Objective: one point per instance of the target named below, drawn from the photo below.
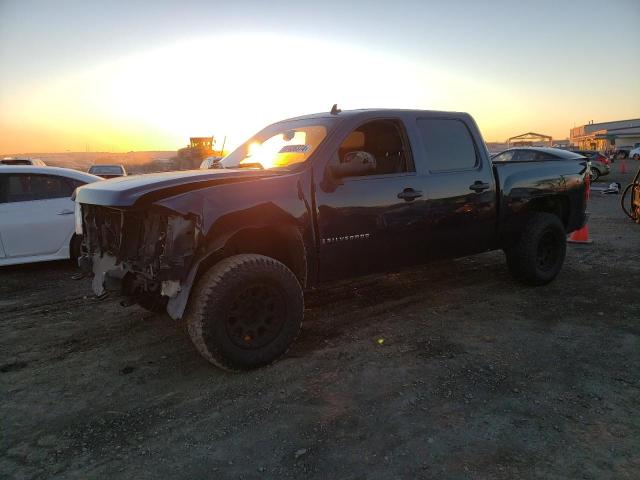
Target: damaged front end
(146, 255)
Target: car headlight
(78, 217)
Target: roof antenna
(335, 110)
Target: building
(606, 136)
(530, 139)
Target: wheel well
(283, 243)
(75, 238)
(557, 205)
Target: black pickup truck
(314, 199)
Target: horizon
(71, 83)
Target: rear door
(36, 213)
(460, 211)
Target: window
(525, 155)
(279, 146)
(106, 170)
(384, 140)
(448, 144)
(504, 156)
(23, 187)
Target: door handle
(479, 186)
(409, 194)
(65, 212)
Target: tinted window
(384, 140)
(448, 144)
(106, 170)
(15, 162)
(76, 183)
(24, 187)
(504, 156)
(532, 156)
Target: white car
(22, 161)
(209, 162)
(635, 153)
(37, 214)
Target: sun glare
(233, 86)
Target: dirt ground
(447, 371)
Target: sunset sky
(134, 75)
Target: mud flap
(176, 305)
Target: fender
(292, 252)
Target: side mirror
(354, 164)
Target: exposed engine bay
(141, 253)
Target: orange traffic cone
(580, 236)
(623, 166)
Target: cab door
(460, 201)
(366, 222)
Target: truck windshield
(280, 145)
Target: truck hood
(135, 189)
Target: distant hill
(134, 162)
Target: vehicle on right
(635, 153)
(600, 164)
(536, 154)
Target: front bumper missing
(140, 254)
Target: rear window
(531, 155)
(448, 144)
(504, 156)
(106, 170)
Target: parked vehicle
(622, 153)
(314, 199)
(599, 163)
(36, 213)
(108, 171)
(210, 162)
(22, 161)
(635, 153)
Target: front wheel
(594, 175)
(537, 256)
(245, 312)
(636, 156)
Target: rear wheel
(636, 156)
(245, 312)
(537, 256)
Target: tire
(245, 312)
(537, 256)
(636, 156)
(595, 174)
